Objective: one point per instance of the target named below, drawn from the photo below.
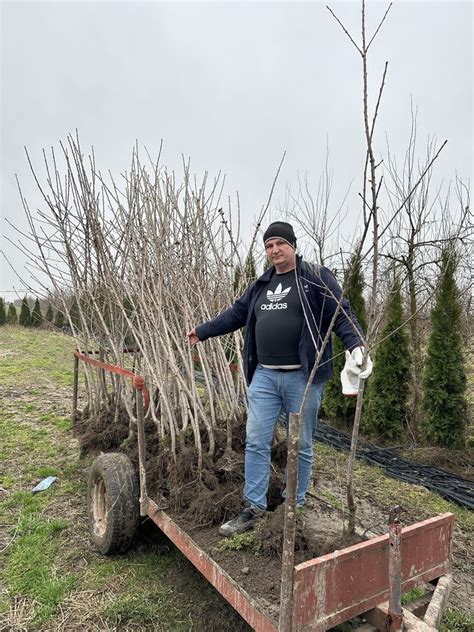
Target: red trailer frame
(333, 588)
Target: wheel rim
(99, 507)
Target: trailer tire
(113, 502)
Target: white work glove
(352, 371)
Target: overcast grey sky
(231, 85)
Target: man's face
(281, 254)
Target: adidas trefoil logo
(275, 298)
(278, 294)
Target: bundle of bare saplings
(133, 270)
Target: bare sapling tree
(415, 240)
(370, 197)
(142, 265)
(370, 207)
(310, 209)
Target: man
(286, 313)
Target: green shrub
(3, 315)
(36, 315)
(386, 403)
(335, 404)
(12, 317)
(25, 314)
(75, 315)
(444, 380)
(59, 319)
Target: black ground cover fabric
(450, 486)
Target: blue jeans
(270, 392)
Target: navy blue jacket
(320, 293)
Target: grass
(237, 542)
(148, 598)
(332, 498)
(34, 547)
(31, 568)
(385, 488)
(454, 621)
(48, 565)
(411, 595)
(31, 356)
(132, 607)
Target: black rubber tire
(113, 503)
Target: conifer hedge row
(29, 317)
(386, 407)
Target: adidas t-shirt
(279, 321)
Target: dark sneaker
(244, 521)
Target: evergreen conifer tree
(74, 314)
(3, 315)
(444, 380)
(36, 315)
(49, 314)
(335, 404)
(129, 310)
(237, 277)
(59, 319)
(12, 317)
(386, 403)
(250, 269)
(25, 314)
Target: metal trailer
(366, 579)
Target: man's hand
(192, 337)
(352, 371)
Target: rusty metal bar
(98, 351)
(438, 602)
(288, 555)
(75, 388)
(395, 614)
(143, 401)
(114, 368)
(139, 385)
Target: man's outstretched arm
(229, 320)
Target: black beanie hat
(280, 230)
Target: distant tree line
(30, 317)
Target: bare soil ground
(257, 567)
